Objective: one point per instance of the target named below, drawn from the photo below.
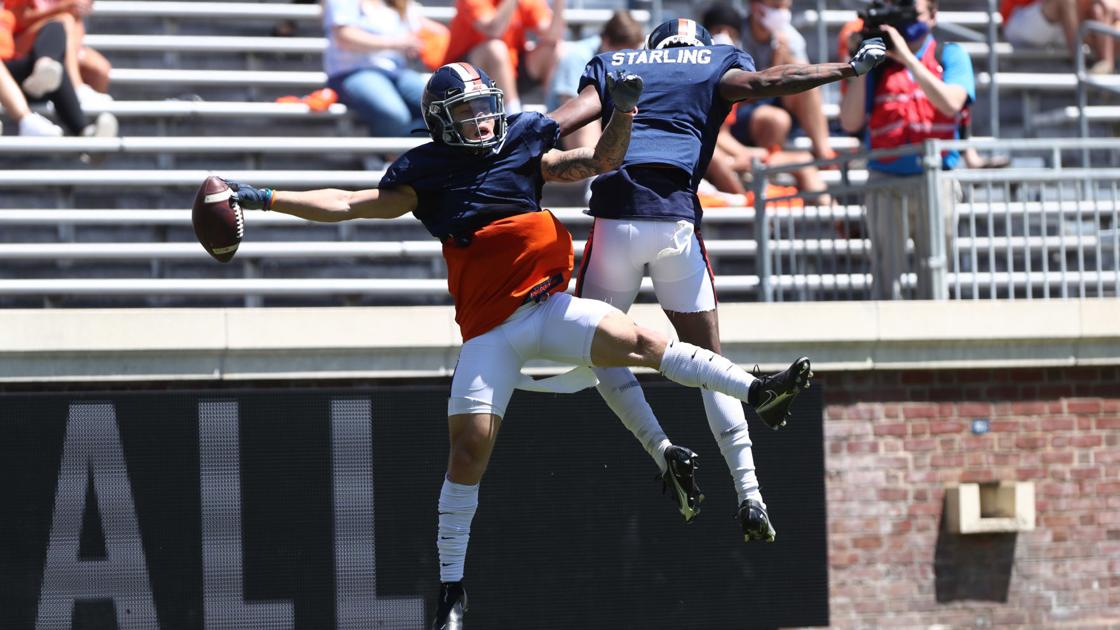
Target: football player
(477, 188)
(647, 212)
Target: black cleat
(776, 392)
(451, 606)
(755, 522)
(681, 465)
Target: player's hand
(250, 197)
(625, 89)
(870, 54)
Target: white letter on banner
(355, 558)
(92, 448)
(223, 599)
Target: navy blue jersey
(679, 116)
(459, 191)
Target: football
(218, 221)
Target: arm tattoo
(784, 80)
(577, 164)
(570, 166)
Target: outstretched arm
(328, 205)
(737, 85)
(577, 164)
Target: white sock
(457, 505)
(696, 367)
(513, 106)
(729, 427)
(623, 394)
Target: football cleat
(776, 392)
(755, 522)
(451, 606)
(681, 465)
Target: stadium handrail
(314, 12)
(291, 178)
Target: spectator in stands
(11, 96)
(493, 35)
(1043, 23)
(367, 61)
(88, 69)
(732, 159)
(36, 61)
(620, 32)
(923, 92)
(771, 39)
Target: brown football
(218, 221)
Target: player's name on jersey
(669, 55)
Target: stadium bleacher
(194, 85)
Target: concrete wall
(903, 383)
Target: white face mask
(722, 38)
(775, 20)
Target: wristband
(268, 199)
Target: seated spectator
(771, 39)
(924, 91)
(492, 34)
(1045, 23)
(620, 32)
(367, 61)
(11, 96)
(88, 69)
(36, 62)
(732, 159)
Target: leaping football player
(647, 212)
(477, 188)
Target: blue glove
(624, 89)
(249, 197)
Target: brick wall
(895, 439)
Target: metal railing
(1050, 229)
(1084, 79)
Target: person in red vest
(923, 91)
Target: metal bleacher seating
(195, 84)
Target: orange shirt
(464, 36)
(7, 43)
(1007, 7)
(509, 260)
(30, 16)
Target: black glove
(624, 89)
(249, 197)
(870, 54)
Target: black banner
(316, 509)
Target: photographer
(922, 92)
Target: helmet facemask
(474, 119)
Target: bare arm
(330, 205)
(496, 26)
(948, 99)
(853, 106)
(356, 39)
(579, 111)
(737, 85)
(577, 164)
